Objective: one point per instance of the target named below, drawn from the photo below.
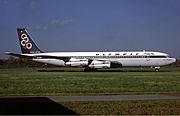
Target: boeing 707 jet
(90, 60)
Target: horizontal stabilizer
(18, 55)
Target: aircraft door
(147, 58)
(149, 61)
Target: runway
(99, 98)
(43, 105)
(111, 98)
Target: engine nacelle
(104, 64)
(100, 64)
(77, 62)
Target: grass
(56, 81)
(60, 81)
(153, 107)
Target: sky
(92, 25)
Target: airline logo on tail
(25, 42)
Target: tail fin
(26, 42)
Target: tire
(156, 69)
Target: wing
(65, 59)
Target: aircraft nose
(175, 60)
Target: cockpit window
(152, 53)
(168, 56)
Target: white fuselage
(90, 60)
(125, 59)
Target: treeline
(13, 62)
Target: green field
(68, 81)
(60, 81)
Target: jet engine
(74, 62)
(104, 64)
(100, 64)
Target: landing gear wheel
(157, 69)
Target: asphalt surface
(51, 105)
(100, 98)
(111, 98)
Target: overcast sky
(92, 25)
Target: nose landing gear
(157, 68)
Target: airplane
(90, 61)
